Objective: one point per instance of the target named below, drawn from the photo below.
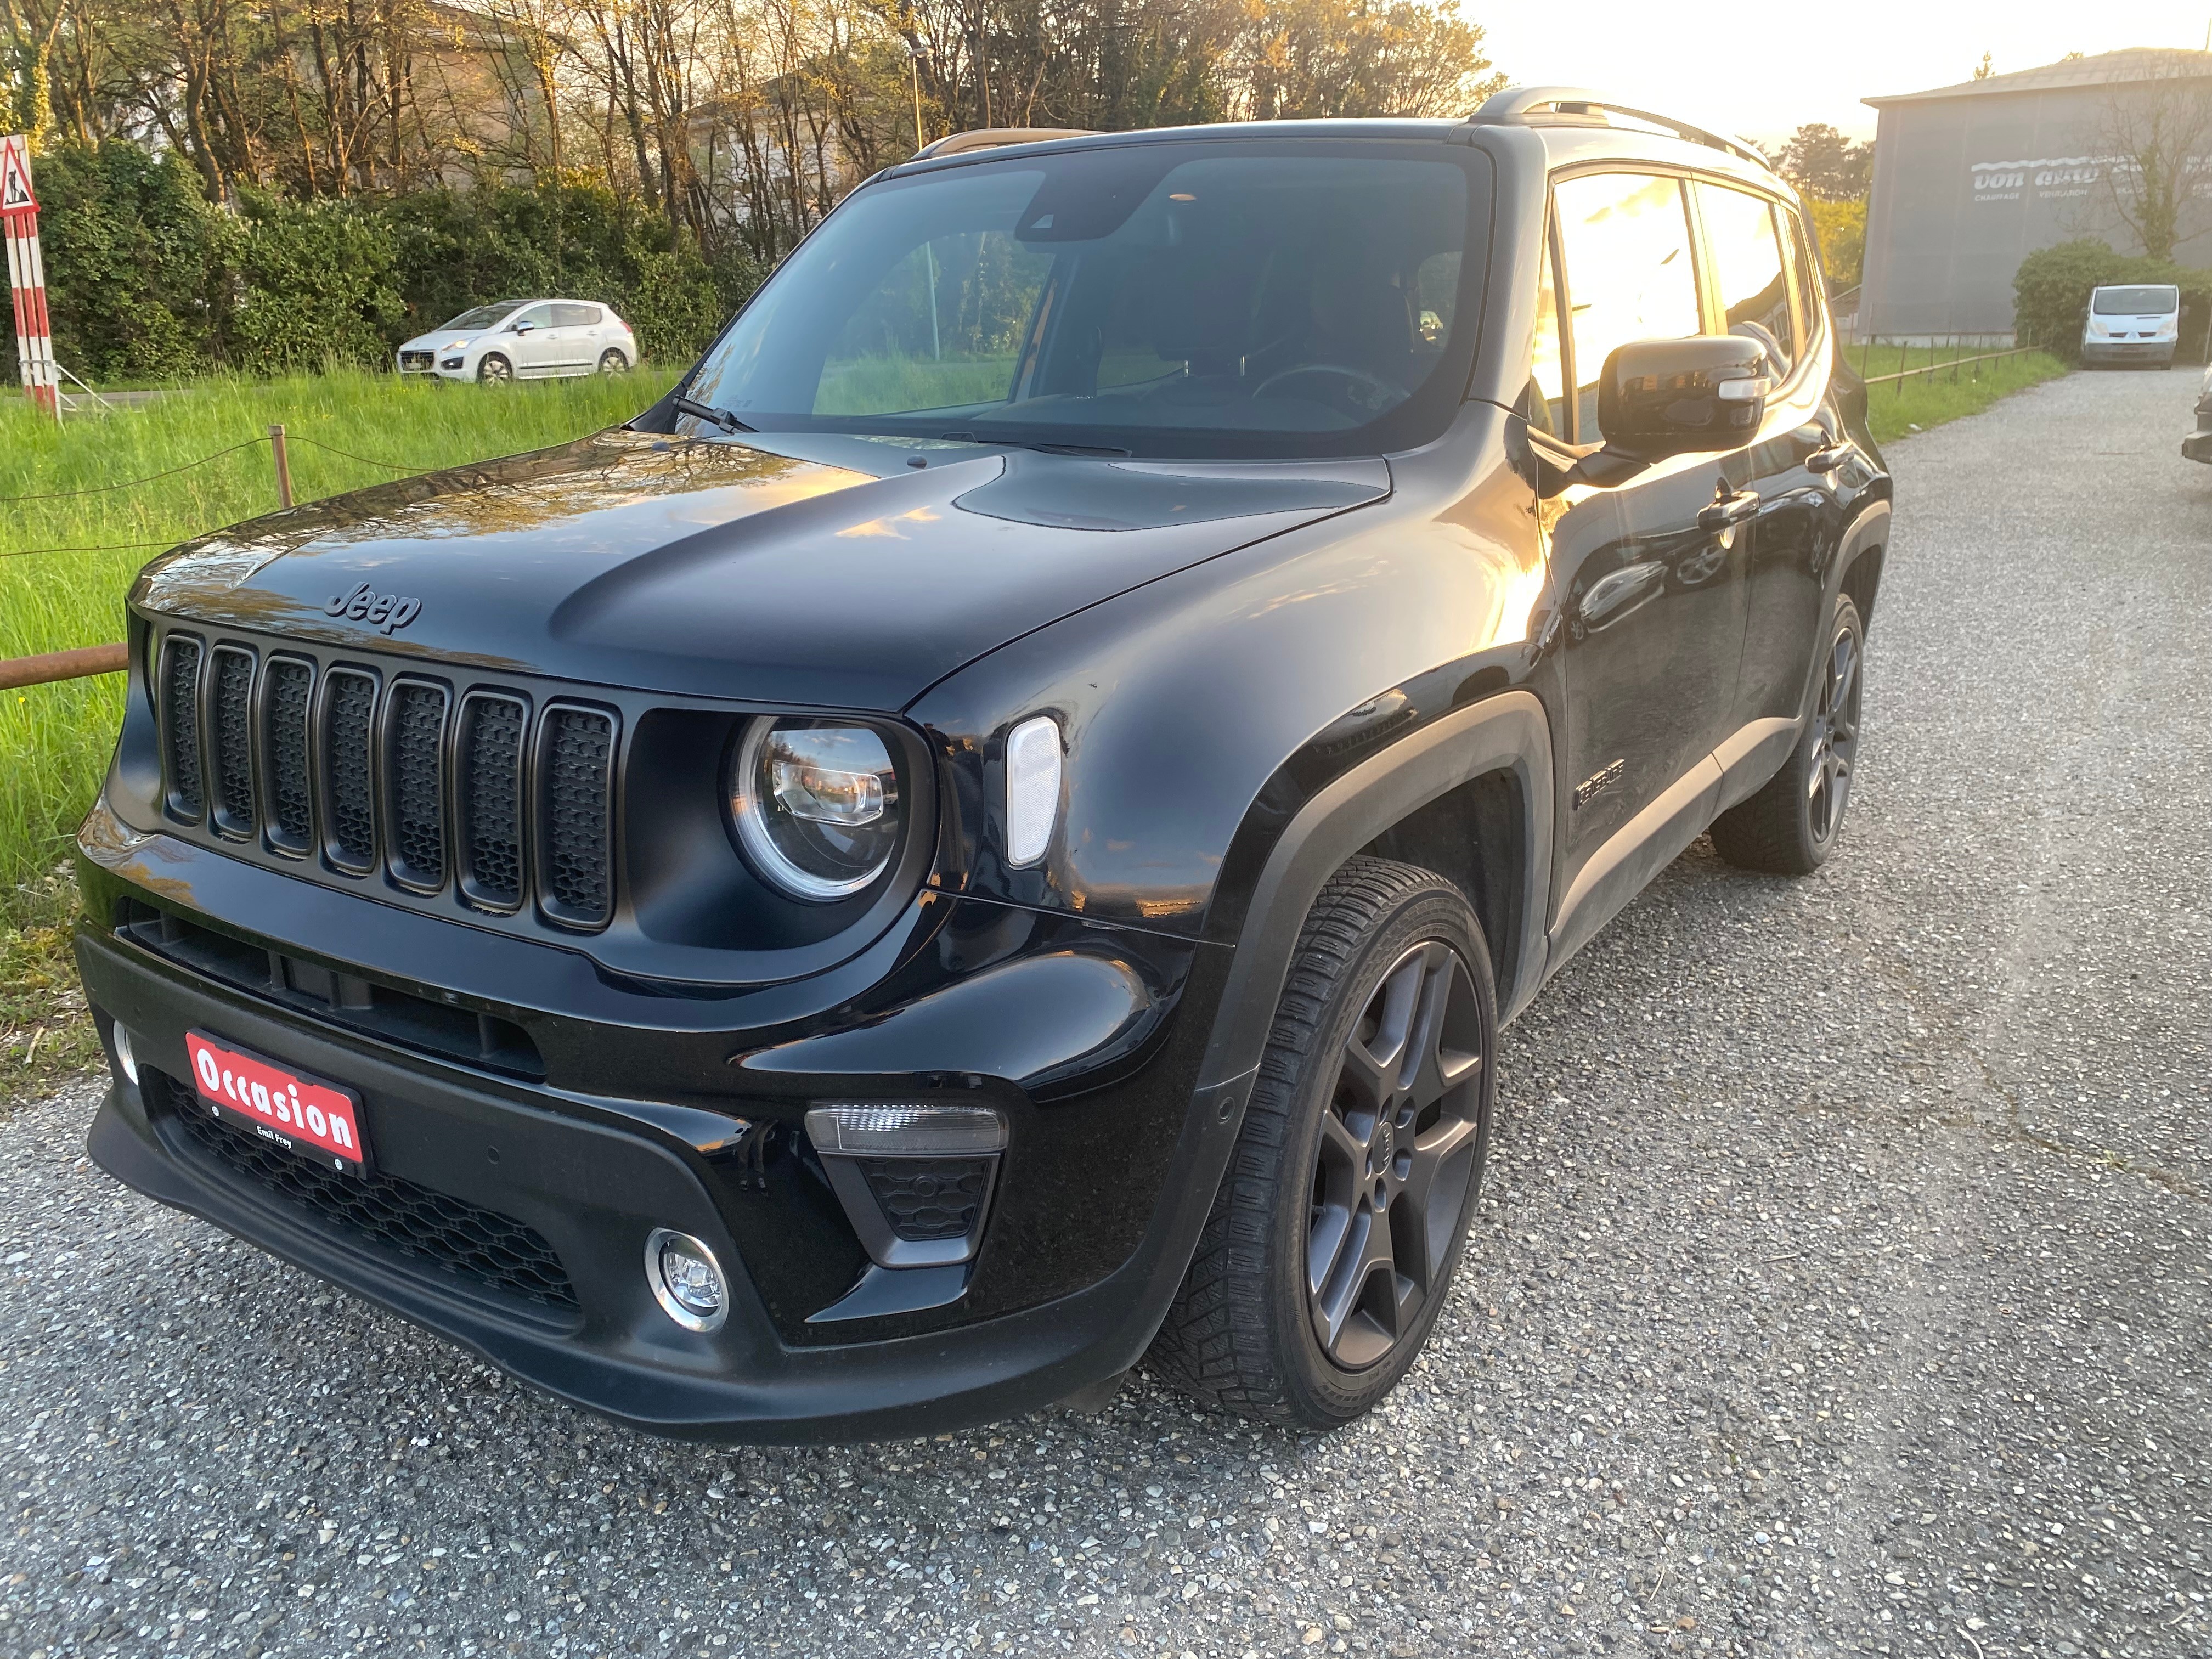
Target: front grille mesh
(180, 725)
(396, 772)
(578, 746)
(291, 804)
(491, 784)
(352, 804)
(234, 739)
(426, 1227)
(419, 795)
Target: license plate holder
(312, 1118)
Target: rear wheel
(1790, 827)
(1334, 1239)
(494, 370)
(611, 361)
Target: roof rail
(1529, 106)
(992, 138)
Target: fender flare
(1870, 528)
(1507, 731)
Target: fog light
(126, 1060)
(686, 1280)
(898, 1130)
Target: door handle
(1828, 459)
(1729, 511)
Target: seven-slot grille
(394, 773)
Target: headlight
(455, 345)
(816, 806)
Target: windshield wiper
(720, 417)
(1045, 444)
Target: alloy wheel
(1835, 738)
(1396, 1151)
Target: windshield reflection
(1161, 298)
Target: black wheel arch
(1468, 794)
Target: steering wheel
(1386, 392)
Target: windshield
(1282, 297)
(2136, 301)
(484, 316)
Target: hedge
(149, 281)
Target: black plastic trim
(1508, 732)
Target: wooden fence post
(284, 464)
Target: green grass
(55, 739)
(1956, 388)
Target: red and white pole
(27, 275)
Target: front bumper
(2128, 351)
(435, 365)
(560, 1188)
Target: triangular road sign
(16, 177)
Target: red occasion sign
(278, 1104)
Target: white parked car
(2132, 323)
(524, 340)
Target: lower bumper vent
(929, 1198)
(440, 1233)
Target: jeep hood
(801, 568)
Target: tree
(1826, 166)
(2157, 130)
(1985, 69)
(1840, 228)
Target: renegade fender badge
(388, 610)
(1598, 782)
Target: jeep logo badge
(388, 610)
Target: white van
(2132, 323)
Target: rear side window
(1806, 264)
(1625, 243)
(1546, 402)
(575, 316)
(1748, 278)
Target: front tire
(494, 370)
(1334, 1239)
(1790, 827)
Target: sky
(1678, 54)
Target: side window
(537, 317)
(1546, 402)
(575, 316)
(1625, 241)
(1753, 289)
(1806, 265)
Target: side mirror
(521, 328)
(1662, 397)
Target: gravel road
(1840, 1285)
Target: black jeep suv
(992, 832)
